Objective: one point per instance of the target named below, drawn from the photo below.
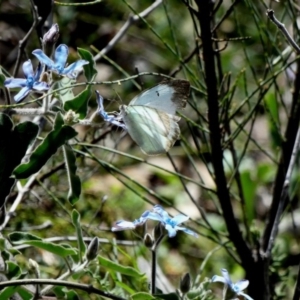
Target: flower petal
(60, 57)
(246, 296)
(69, 71)
(27, 69)
(152, 216)
(101, 109)
(186, 230)
(217, 278)
(226, 277)
(122, 225)
(240, 285)
(22, 94)
(41, 86)
(159, 210)
(180, 219)
(43, 58)
(171, 231)
(140, 221)
(15, 82)
(38, 72)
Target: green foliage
(55, 139)
(14, 142)
(228, 172)
(73, 179)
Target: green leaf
(124, 287)
(58, 122)
(142, 296)
(71, 295)
(2, 79)
(19, 237)
(273, 116)
(50, 247)
(25, 295)
(2, 244)
(90, 70)
(14, 142)
(7, 292)
(76, 223)
(171, 296)
(79, 103)
(59, 291)
(13, 270)
(67, 92)
(55, 139)
(73, 179)
(111, 265)
(249, 190)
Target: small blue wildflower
(106, 117)
(60, 59)
(158, 214)
(123, 225)
(171, 224)
(237, 288)
(30, 83)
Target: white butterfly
(150, 117)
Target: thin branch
(297, 288)
(288, 145)
(68, 273)
(131, 20)
(153, 271)
(281, 27)
(21, 194)
(215, 135)
(74, 239)
(84, 287)
(22, 43)
(283, 196)
(226, 15)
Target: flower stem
(153, 271)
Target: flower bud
(34, 267)
(93, 249)
(51, 36)
(185, 283)
(148, 240)
(158, 231)
(71, 117)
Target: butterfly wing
(167, 96)
(153, 130)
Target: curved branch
(84, 287)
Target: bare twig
(22, 43)
(75, 238)
(297, 288)
(283, 196)
(286, 156)
(84, 287)
(21, 194)
(131, 20)
(281, 27)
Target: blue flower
(158, 214)
(171, 224)
(60, 59)
(123, 225)
(237, 288)
(106, 117)
(30, 83)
